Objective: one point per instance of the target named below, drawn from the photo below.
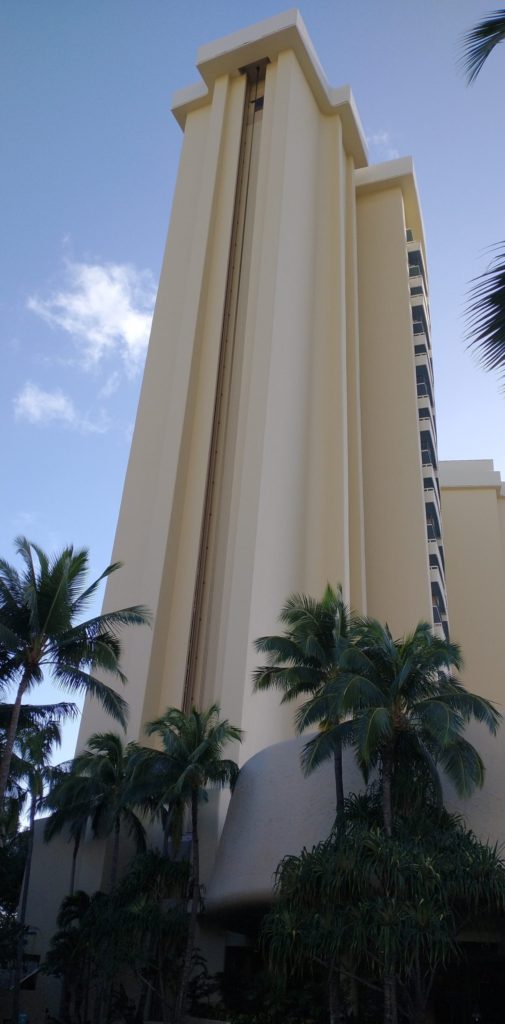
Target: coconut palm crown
(40, 631)
(193, 746)
(304, 661)
(407, 707)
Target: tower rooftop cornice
(266, 40)
(390, 174)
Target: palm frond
(486, 315)
(77, 681)
(83, 599)
(373, 730)
(480, 42)
(463, 765)
(324, 744)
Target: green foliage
(486, 307)
(192, 757)
(373, 904)
(41, 608)
(485, 314)
(193, 745)
(480, 42)
(306, 661)
(12, 865)
(137, 931)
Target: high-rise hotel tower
(286, 432)
(285, 435)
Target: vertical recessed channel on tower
(230, 356)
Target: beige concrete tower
(285, 437)
(277, 441)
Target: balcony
(424, 392)
(428, 458)
(436, 576)
(428, 448)
(431, 496)
(441, 629)
(421, 328)
(427, 422)
(441, 556)
(423, 358)
(440, 623)
(423, 365)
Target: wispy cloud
(111, 385)
(24, 520)
(106, 308)
(380, 145)
(39, 407)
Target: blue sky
(90, 154)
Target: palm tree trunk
(64, 983)
(390, 994)
(166, 834)
(337, 1015)
(22, 912)
(75, 851)
(163, 987)
(5, 763)
(180, 1005)
(390, 1000)
(115, 855)
(387, 791)
(339, 783)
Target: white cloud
(380, 145)
(24, 520)
(111, 385)
(106, 307)
(39, 407)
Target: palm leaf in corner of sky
(480, 42)
(485, 314)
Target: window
(423, 382)
(416, 266)
(419, 320)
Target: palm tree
(306, 659)
(194, 744)
(151, 898)
(107, 788)
(74, 951)
(33, 750)
(39, 630)
(486, 308)
(153, 774)
(31, 718)
(70, 802)
(408, 709)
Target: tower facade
(285, 437)
(278, 442)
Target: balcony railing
(419, 327)
(428, 457)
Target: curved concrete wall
(274, 811)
